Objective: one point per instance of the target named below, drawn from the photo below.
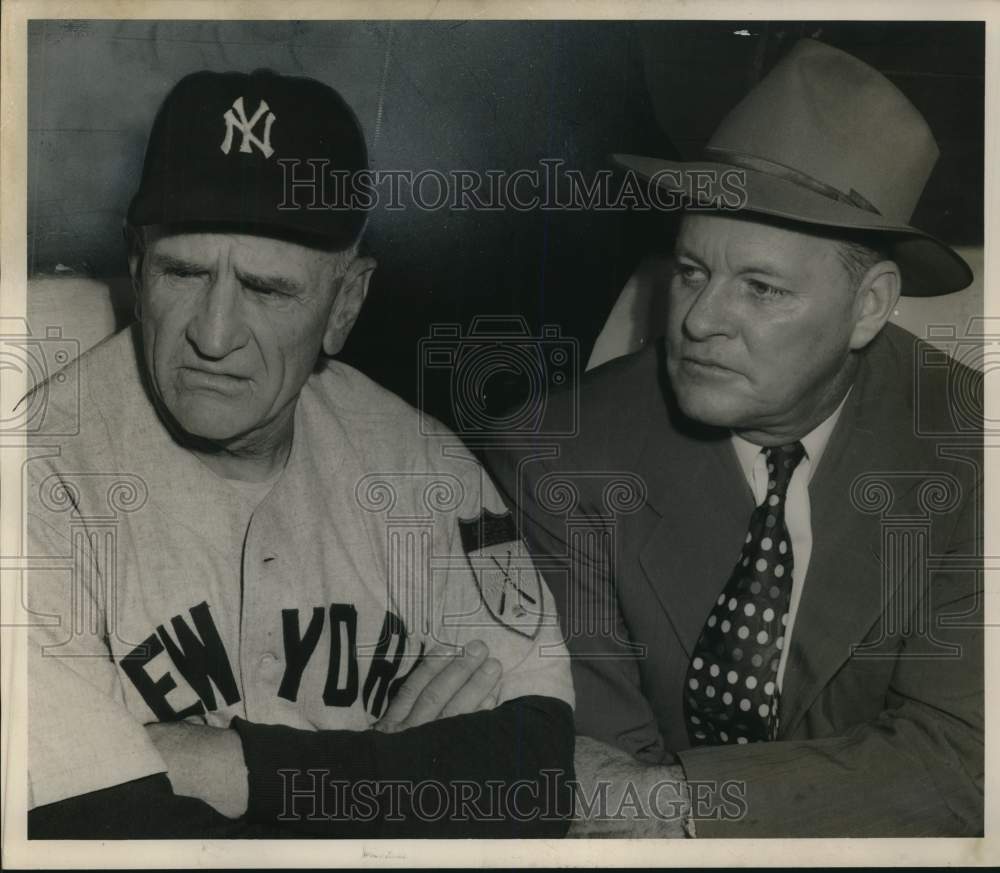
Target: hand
(618, 796)
(445, 684)
(204, 762)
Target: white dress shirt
(797, 513)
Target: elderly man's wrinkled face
(760, 324)
(232, 327)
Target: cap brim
(201, 203)
(929, 266)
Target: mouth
(705, 367)
(225, 383)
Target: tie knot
(781, 463)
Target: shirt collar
(813, 442)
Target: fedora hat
(826, 140)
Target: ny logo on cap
(239, 121)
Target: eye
(690, 275)
(181, 274)
(263, 290)
(763, 289)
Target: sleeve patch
(507, 579)
(490, 529)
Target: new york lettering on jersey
(183, 669)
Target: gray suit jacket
(882, 703)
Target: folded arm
(441, 762)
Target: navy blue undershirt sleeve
(494, 774)
(501, 773)
(145, 808)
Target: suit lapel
(839, 600)
(843, 596)
(704, 504)
(695, 484)
(686, 561)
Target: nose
(217, 328)
(709, 313)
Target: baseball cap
(226, 148)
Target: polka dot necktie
(731, 688)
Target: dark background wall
(477, 96)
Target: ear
(877, 295)
(347, 305)
(133, 245)
(135, 251)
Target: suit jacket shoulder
(624, 410)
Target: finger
(442, 687)
(478, 687)
(433, 663)
(490, 701)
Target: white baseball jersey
(162, 591)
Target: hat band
(771, 168)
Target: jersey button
(268, 659)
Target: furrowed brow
(767, 267)
(278, 283)
(172, 262)
(684, 252)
